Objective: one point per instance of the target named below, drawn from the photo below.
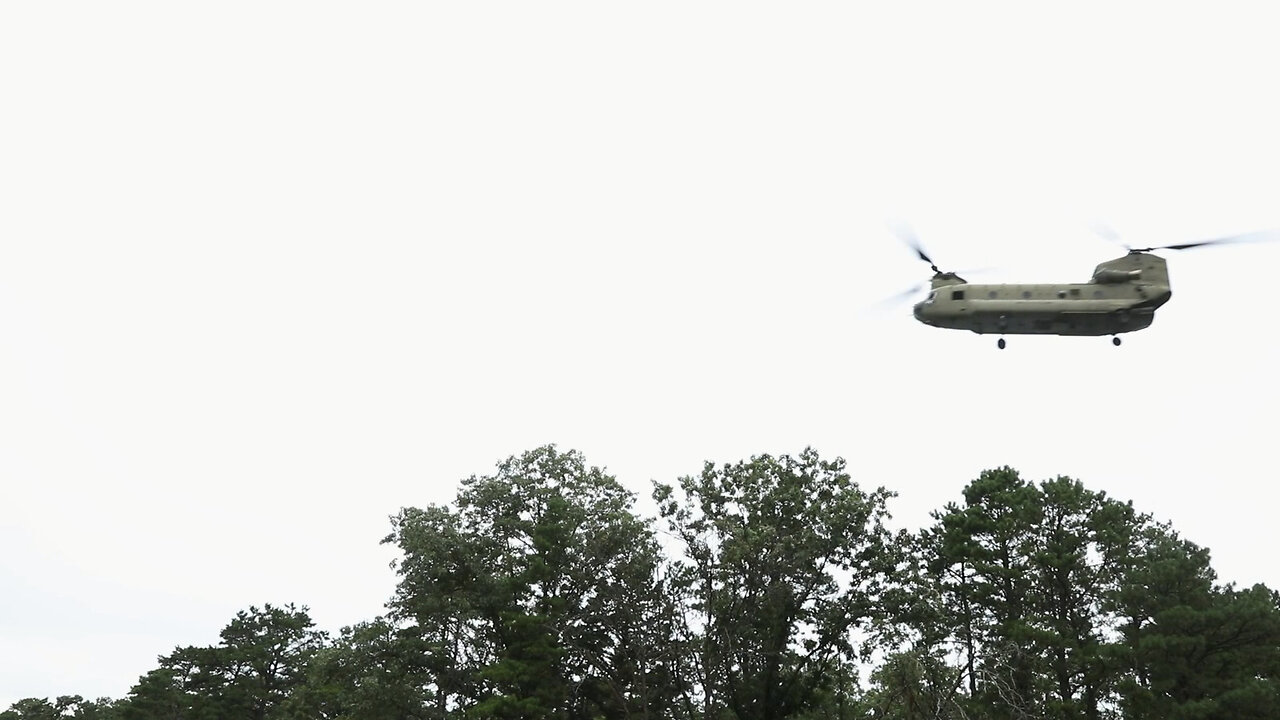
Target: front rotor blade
(897, 299)
(908, 237)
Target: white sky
(272, 270)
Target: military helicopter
(1122, 296)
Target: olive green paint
(1122, 296)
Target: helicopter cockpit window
(957, 294)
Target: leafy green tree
(784, 560)
(261, 659)
(263, 656)
(1030, 577)
(370, 672)
(1071, 630)
(31, 709)
(838, 698)
(158, 695)
(66, 707)
(539, 595)
(1064, 603)
(1160, 571)
(983, 562)
(916, 685)
(1217, 656)
(101, 709)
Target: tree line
(768, 588)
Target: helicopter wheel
(1000, 343)
(1115, 341)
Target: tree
(158, 695)
(1071, 629)
(1068, 604)
(1031, 577)
(1214, 655)
(784, 559)
(370, 672)
(540, 594)
(66, 707)
(1157, 571)
(261, 659)
(916, 685)
(983, 564)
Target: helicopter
(1122, 296)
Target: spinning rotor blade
(1108, 233)
(908, 237)
(896, 299)
(978, 271)
(1260, 236)
(920, 287)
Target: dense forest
(769, 588)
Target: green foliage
(916, 685)
(784, 559)
(1217, 656)
(1023, 574)
(158, 695)
(260, 661)
(66, 707)
(540, 594)
(1063, 603)
(370, 672)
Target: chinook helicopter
(1122, 296)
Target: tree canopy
(764, 589)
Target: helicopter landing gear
(1115, 341)
(1000, 343)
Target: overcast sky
(272, 270)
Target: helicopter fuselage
(1122, 297)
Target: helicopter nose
(919, 312)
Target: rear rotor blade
(1260, 236)
(1108, 233)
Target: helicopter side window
(1075, 292)
(957, 294)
